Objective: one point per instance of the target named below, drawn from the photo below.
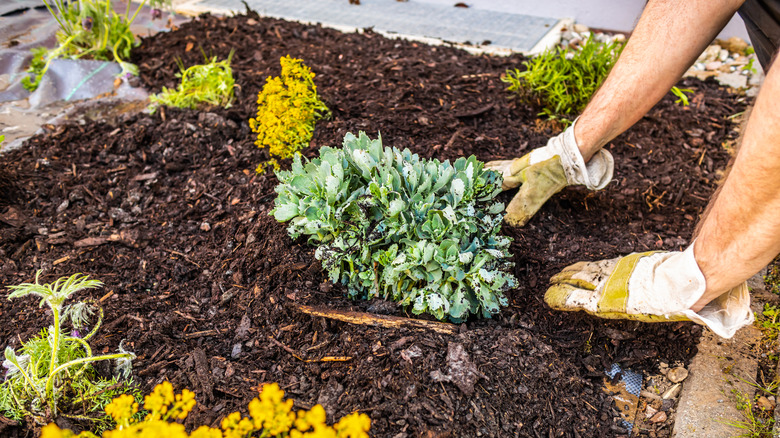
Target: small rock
(62, 207)
(619, 38)
(672, 392)
(723, 55)
(660, 417)
(677, 375)
(650, 411)
(732, 80)
(734, 44)
(765, 404)
(205, 226)
(580, 28)
(242, 331)
(710, 53)
(713, 65)
(236, 351)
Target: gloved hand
(649, 287)
(545, 171)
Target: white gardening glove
(545, 171)
(649, 287)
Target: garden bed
(206, 288)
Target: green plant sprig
(51, 365)
(211, 84)
(562, 80)
(682, 98)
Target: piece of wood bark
(386, 321)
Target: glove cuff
(669, 283)
(595, 175)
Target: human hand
(648, 287)
(547, 170)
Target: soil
(202, 283)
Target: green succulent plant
(389, 224)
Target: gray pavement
(491, 31)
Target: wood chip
(386, 321)
(62, 260)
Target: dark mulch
(201, 282)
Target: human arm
(666, 41)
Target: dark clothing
(762, 20)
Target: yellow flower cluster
(270, 415)
(287, 108)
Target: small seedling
(209, 84)
(52, 373)
(562, 81)
(287, 109)
(755, 422)
(681, 96)
(270, 416)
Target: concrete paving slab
(720, 367)
(490, 31)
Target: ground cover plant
(53, 374)
(201, 86)
(209, 290)
(388, 224)
(88, 29)
(562, 80)
(287, 108)
(270, 415)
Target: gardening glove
(547, 170)
(649, 287)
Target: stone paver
(707, 401)
(492, 31)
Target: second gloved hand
(547, 170)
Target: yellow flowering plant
(287, 108)
(270, 416)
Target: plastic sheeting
(24, 27)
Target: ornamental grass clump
(52, 373)
(562, 80)
(270, 416)
(390, 224)
(287, 109)
(202, 85)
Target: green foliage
(682, 98)
(38, 66)
(87, 29)
(52, 372)
(772, 278)
(389, 224)
(755, 422)
(562, 80)
(768, 321)
(211, 84)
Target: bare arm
(668, 38)
(740, 232)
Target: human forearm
(668, 38)
(739, 233)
